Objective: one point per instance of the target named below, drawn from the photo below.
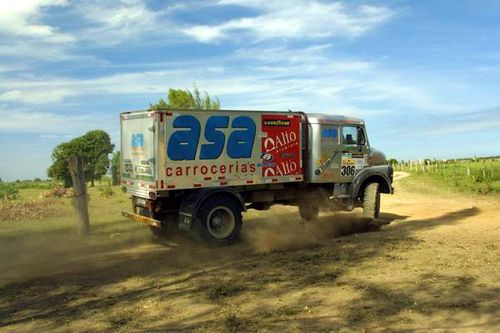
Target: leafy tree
(94, 147)
(391, 161)
(185, 99)
(1, 180)
(59, 168)
(115, 168)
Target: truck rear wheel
(308, 211)
(220, 219)
(371, 201)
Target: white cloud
(115, 21)
(25, 121)
(279, 78)
(21, 18)
(36, 96)
(295, 19)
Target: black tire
(371, 201)
(219, 221)
(308, 211)
(157, 232)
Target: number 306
(347, 170)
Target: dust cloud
(278, 231)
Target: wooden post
(81, 205)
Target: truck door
(137, 152)
(354, 151)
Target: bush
(58, 192)
(27, 209)
(106, 191)
(8, 191)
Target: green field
(480, 176)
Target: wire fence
(474, 168)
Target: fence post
(468, 168)
(81, 204)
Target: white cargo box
(165, 150)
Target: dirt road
(435, 266)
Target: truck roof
(314, 118)
(321, 118)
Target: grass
(104, 212)
(473, 176)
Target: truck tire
(371, 201)
(308, 211)
(157, 232)
(219, 221)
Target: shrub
(58, 192)
(27, 209)
(106, 191)
(8, 191)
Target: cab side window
(350, 135)
(329, 134)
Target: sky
(425, 75)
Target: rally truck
(199, 170)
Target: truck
(199, 170)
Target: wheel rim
(220, 222)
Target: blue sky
(425, 75)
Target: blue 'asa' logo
(183, 144)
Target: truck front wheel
(371, 201)
(220, 219)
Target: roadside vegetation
(475, 175)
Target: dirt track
(436, 265)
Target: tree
(115, 168)
(59, 168)
(185, 99)
(94, 147)
(391, 161)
